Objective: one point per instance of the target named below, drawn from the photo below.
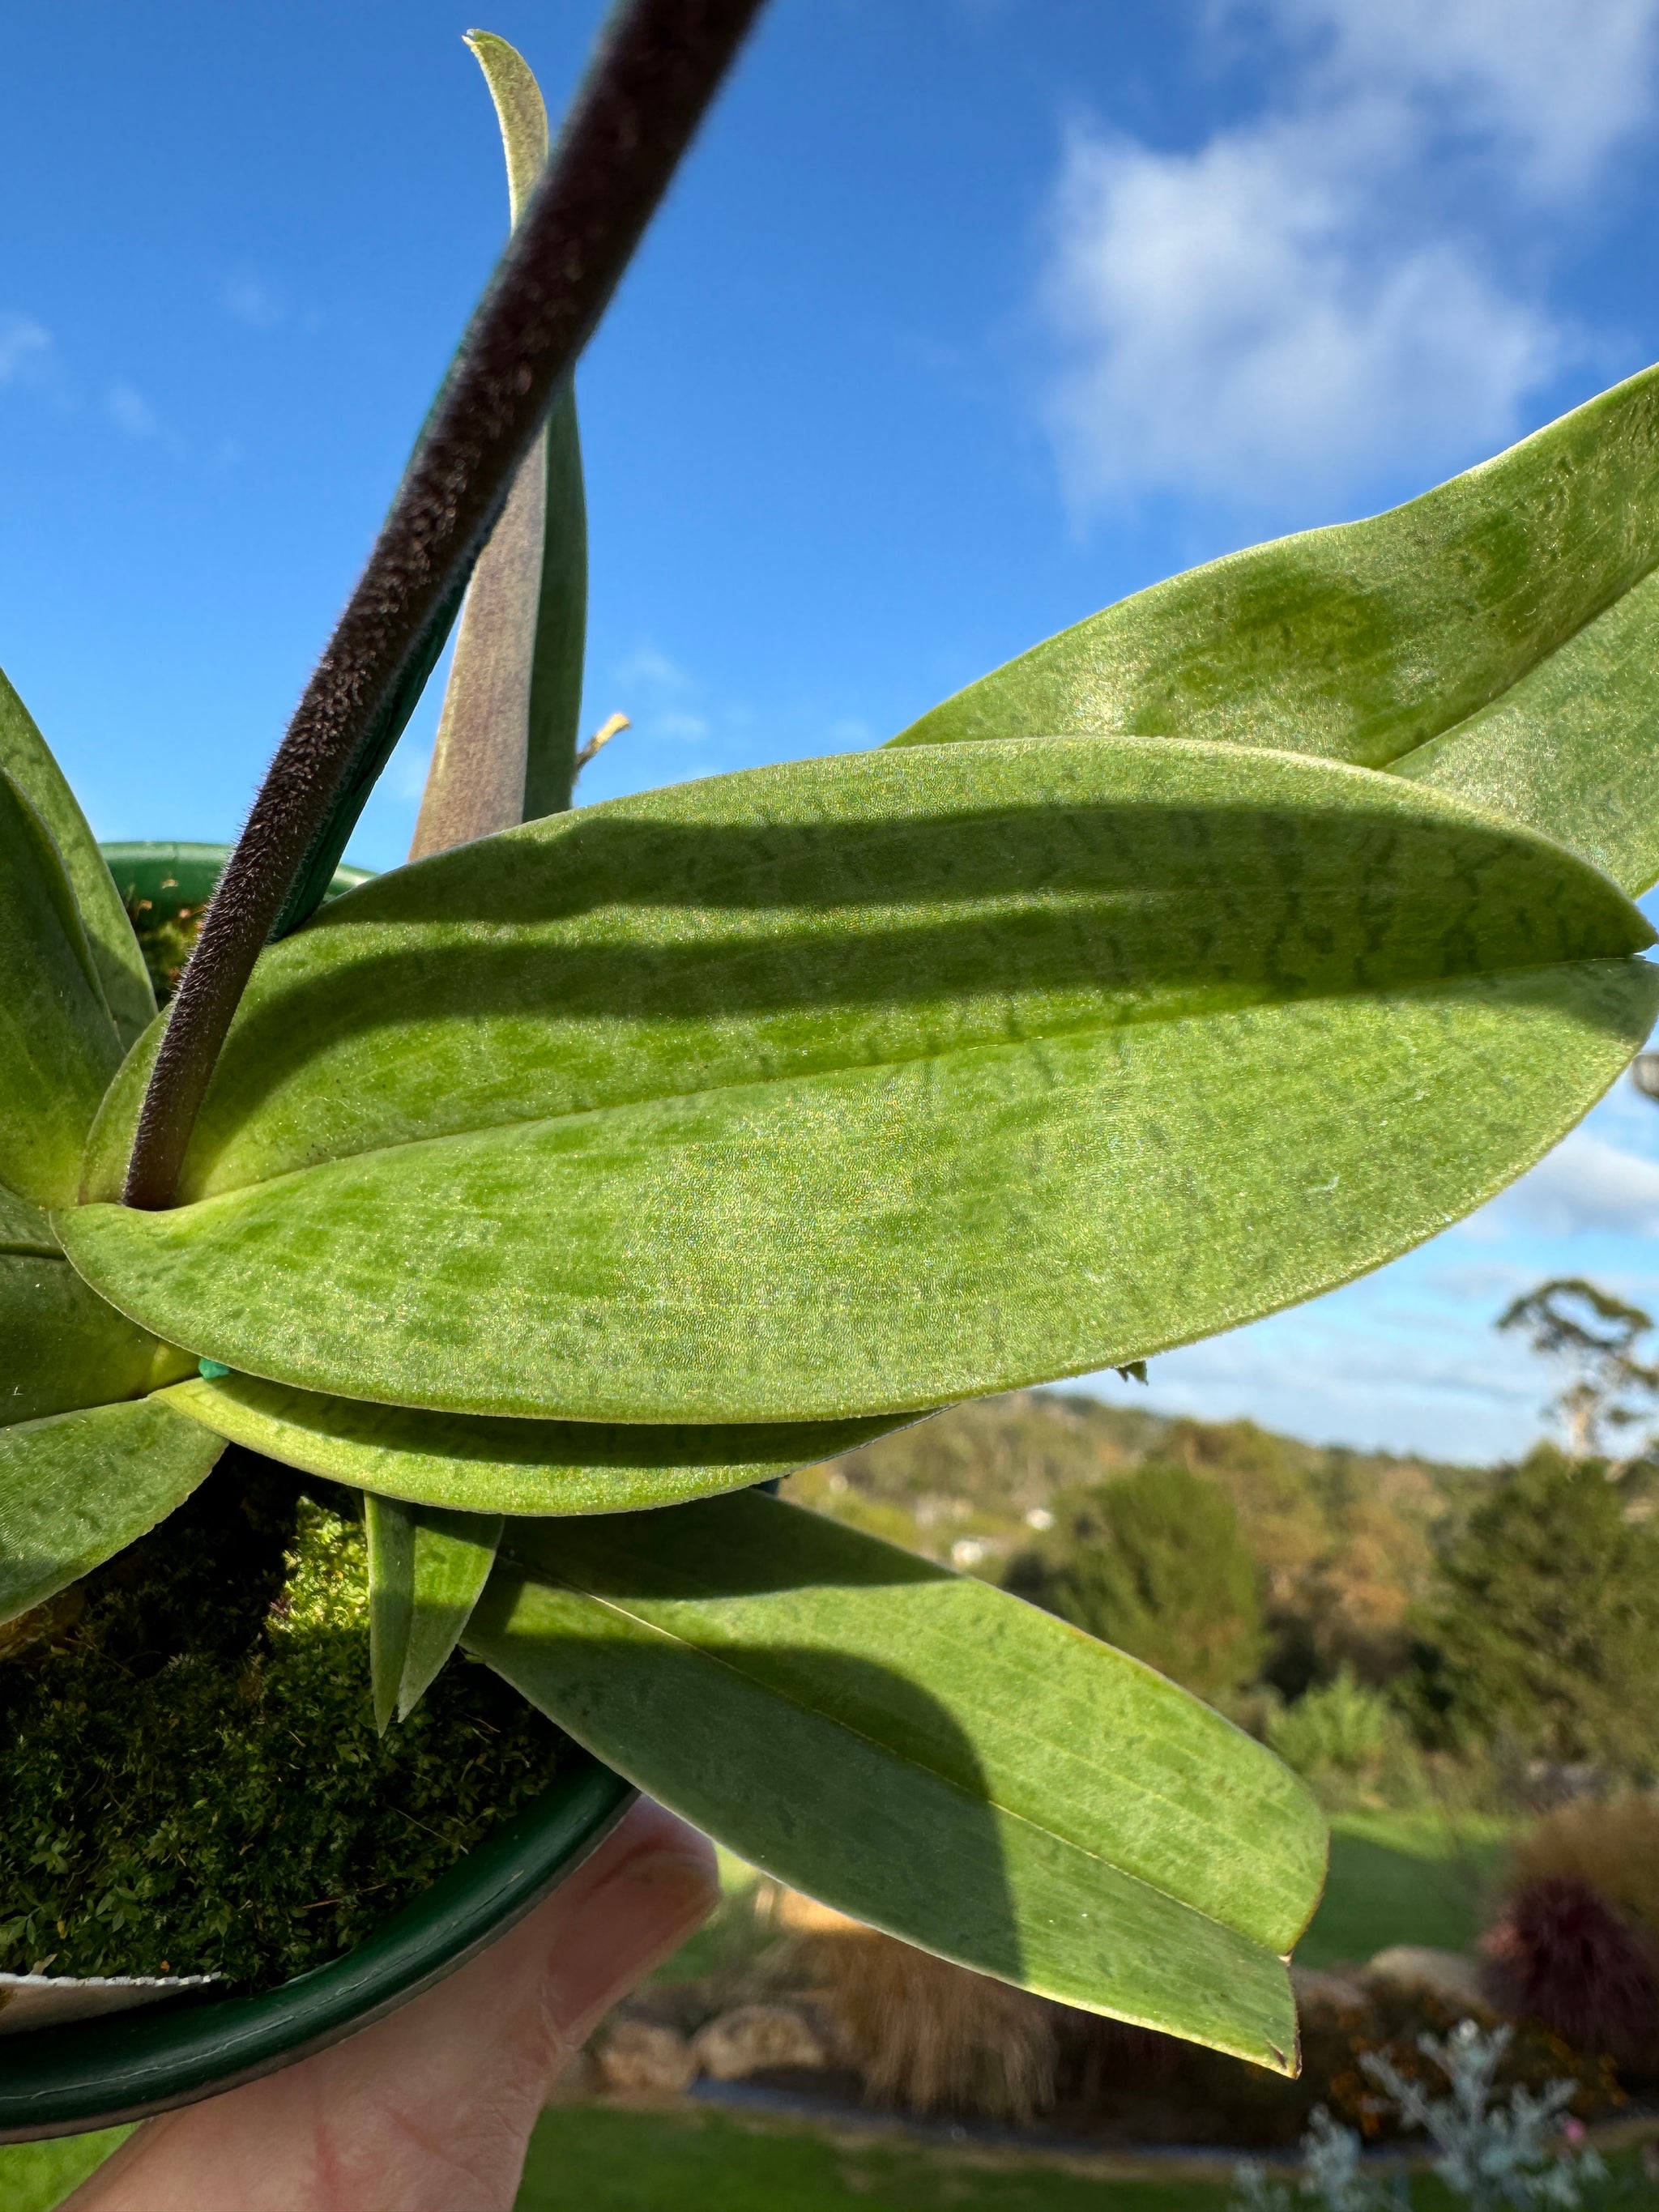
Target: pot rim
(106, 2072)
(147, 867)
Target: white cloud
(1437, 1382)
(649, 666)
(25, 348)
(1558, 83)
(1586, 1184)
(1226, 332)
(250, 299)
(675, 723)
(131, 411)
(1306, 305)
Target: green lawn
(1402, 1878)
(586, 2158)
(590, 2159)
(34, 2175)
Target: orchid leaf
(77, 1488)
(507, 737)
(58, 1047)
(453, 1555)
(426, 1568)
(390, 1526)
(926, 1753)
(858, 1085)
(1497, 639)
(482, 1465)
(560, 630)
(61, 1346)
(123, 978)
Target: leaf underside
(481, 1464)
(425, 1569)
(61, 1346)
(926, 1753)
(453, 1555)
(857, 1085)
(123, 978)
(77, 1488)
(1497, 639)
(389, 1526)
(58, 1047)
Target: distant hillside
(1342, 1540)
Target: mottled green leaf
(506, 736)
(863, 1084)
(926, 1752)
(122, 975)
(58, 1047)
(61, 1346)
(485, 1465)
(1497, 639)
(80, 1486)
(453, 1555)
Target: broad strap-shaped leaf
(1497, 639)
(122, 975)
(506, 736)
(485, 1465)
(863, 1084)
(61, 1346)
(77, 1488)
(426, 1568)
(58, 1047)
(926, 1752)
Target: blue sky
(966, 318)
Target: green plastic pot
(102, 2072)
(172, 877)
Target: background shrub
(1157, 1564)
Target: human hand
(431, 2109)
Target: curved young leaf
(926, 1752)
(506, 736)
(79, 1487)
(1497, 639)
(483, 1465)
(389, 1525)
(58, 1047)
(866, 1083)
(122, 975)
(561, 612)
(426, 1568)
(453, 1555)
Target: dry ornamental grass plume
(931, 2037)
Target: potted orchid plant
(528, 1208)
